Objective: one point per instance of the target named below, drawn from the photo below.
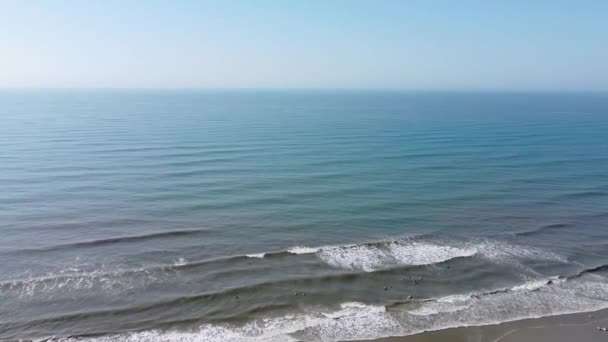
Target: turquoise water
(303, 215)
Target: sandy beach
(581, 327)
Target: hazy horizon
(546, 46)
(307, 90)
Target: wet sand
(581, 327)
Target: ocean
(242, 215)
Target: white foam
(454, 298)
(530, 285)
(358, 321)
(451, 303)
(73, 279)
(371, 257)
(256, 255)
(327, 326)
(353, 308)
(435, 308)
(507, 252)
(302, 250)
(180, 262)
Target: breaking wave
(359, 321)
(372, 256)
(363, 257)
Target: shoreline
(580, 327)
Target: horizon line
(312, 89)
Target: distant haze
(422, 45)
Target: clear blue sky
(401, 44)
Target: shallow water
(314, 216)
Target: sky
(326, 44)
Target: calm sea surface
(297, 216)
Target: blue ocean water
(266, 215)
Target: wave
(297, 250)
(590, 270)
(302, 250)
(75, 279)
(359, 321)
(362, 257)
(531, 285)
(117, 277)
(505, 252)
(582, 194)
(206, 304)
(256, 255)
(373, 256)
(115, 240)
(273, 329)
(543, 228)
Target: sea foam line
(359, 321)
(373, 256)
(367, 257)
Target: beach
(584, 327)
